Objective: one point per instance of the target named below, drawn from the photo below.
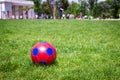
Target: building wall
(2, 11)
(31, 14)
(9, 10)
(16, 15)
(5, 10)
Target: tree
(37, 7)
(73, 8)
(49, 4)
(83, 7)
(45, 8)
(53, 6)
(65, 4)
(114, 6)
(103, 10)
(91, 4)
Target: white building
(16, 9)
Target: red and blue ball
(43, 53)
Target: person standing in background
(61, 10)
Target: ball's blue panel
(43, 63)
(43, 42)
(49, 51)
(35, 52)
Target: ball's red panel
(43, 53)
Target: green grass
(86, 50)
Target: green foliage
(23, 9)
(91, 4)
(114, 7)
(65, 4)
(102, 9)
(74, 8)
(86, 50)
(46, 8)
(83, 7)
(108, 8)
(37, 7)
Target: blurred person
(61, 10)
(80, 16)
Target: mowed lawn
(86, 50)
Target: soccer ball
(43, 53)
